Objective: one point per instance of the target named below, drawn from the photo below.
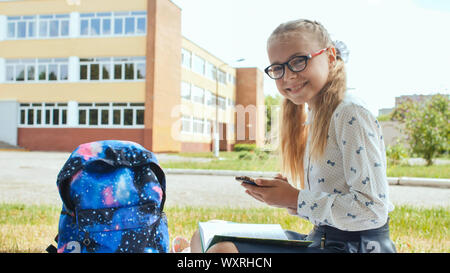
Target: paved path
(30, 177)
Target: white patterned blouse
(347, 188)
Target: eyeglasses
(295, 64)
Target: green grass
(227, 161)
(231, 161)
(32, 228)
(434, 171)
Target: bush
(244, 147)
(254, 155)
(395, 154)
(427, 126)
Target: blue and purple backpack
(113, 195)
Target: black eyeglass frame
(304, 57)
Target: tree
(270, 103)
(427, 125)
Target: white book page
(260, 231)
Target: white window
(37, 70)
(43, 114)
(197, 125)
(185, 90)
(222, 76)
(186, 124)
(222, 103)
(231, 79)
(107, 69)
(198, 64)
(210, 98)
(113, 23)
(208, 127)
(198, 94)
(210, 71)
(186, 57)
(230, 102)
(119, 115)
(38, 26)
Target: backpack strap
(162, 181)
(52, 248)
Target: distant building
(77, 71)
(401, 99)
(385, 111)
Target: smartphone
(246, 179)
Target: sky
(396, 47)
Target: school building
(75, 71)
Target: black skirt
(328, 239)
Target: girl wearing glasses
(332, 150)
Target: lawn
(32, 228)
(271, 163)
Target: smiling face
(300, 87)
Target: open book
(216, 231)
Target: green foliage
(271, 103)
(244, 147)
(427, 126)
(395, 154)
(386, 117)
(254, 155)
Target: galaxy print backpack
(113, 195)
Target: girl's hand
(275, 192)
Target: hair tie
(341, 50)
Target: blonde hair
(293, 130)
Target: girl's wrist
(294, 199)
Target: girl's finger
(265, 182)
(280, 177)
(255, 195)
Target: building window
(186, 57)
(210, 71)
(198, 94)
(43, 114)
(231, 79)
(116, 115)
(194, 125)
(230, 102)
(38, 26)
(185, 90)
(208, 127)
(197, 125)
(222, 76)
(222, 103)
(210, 98)
(113, 23)
(186, 124)
(198, 64)
(106, 69)
(37, 70)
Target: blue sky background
(396, 47)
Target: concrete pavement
(30, 177)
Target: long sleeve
(348, 187)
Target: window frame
(112, 62)
(113, 18)
(37, 64)
(39, 23)
(26, 108)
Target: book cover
(213, 232)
